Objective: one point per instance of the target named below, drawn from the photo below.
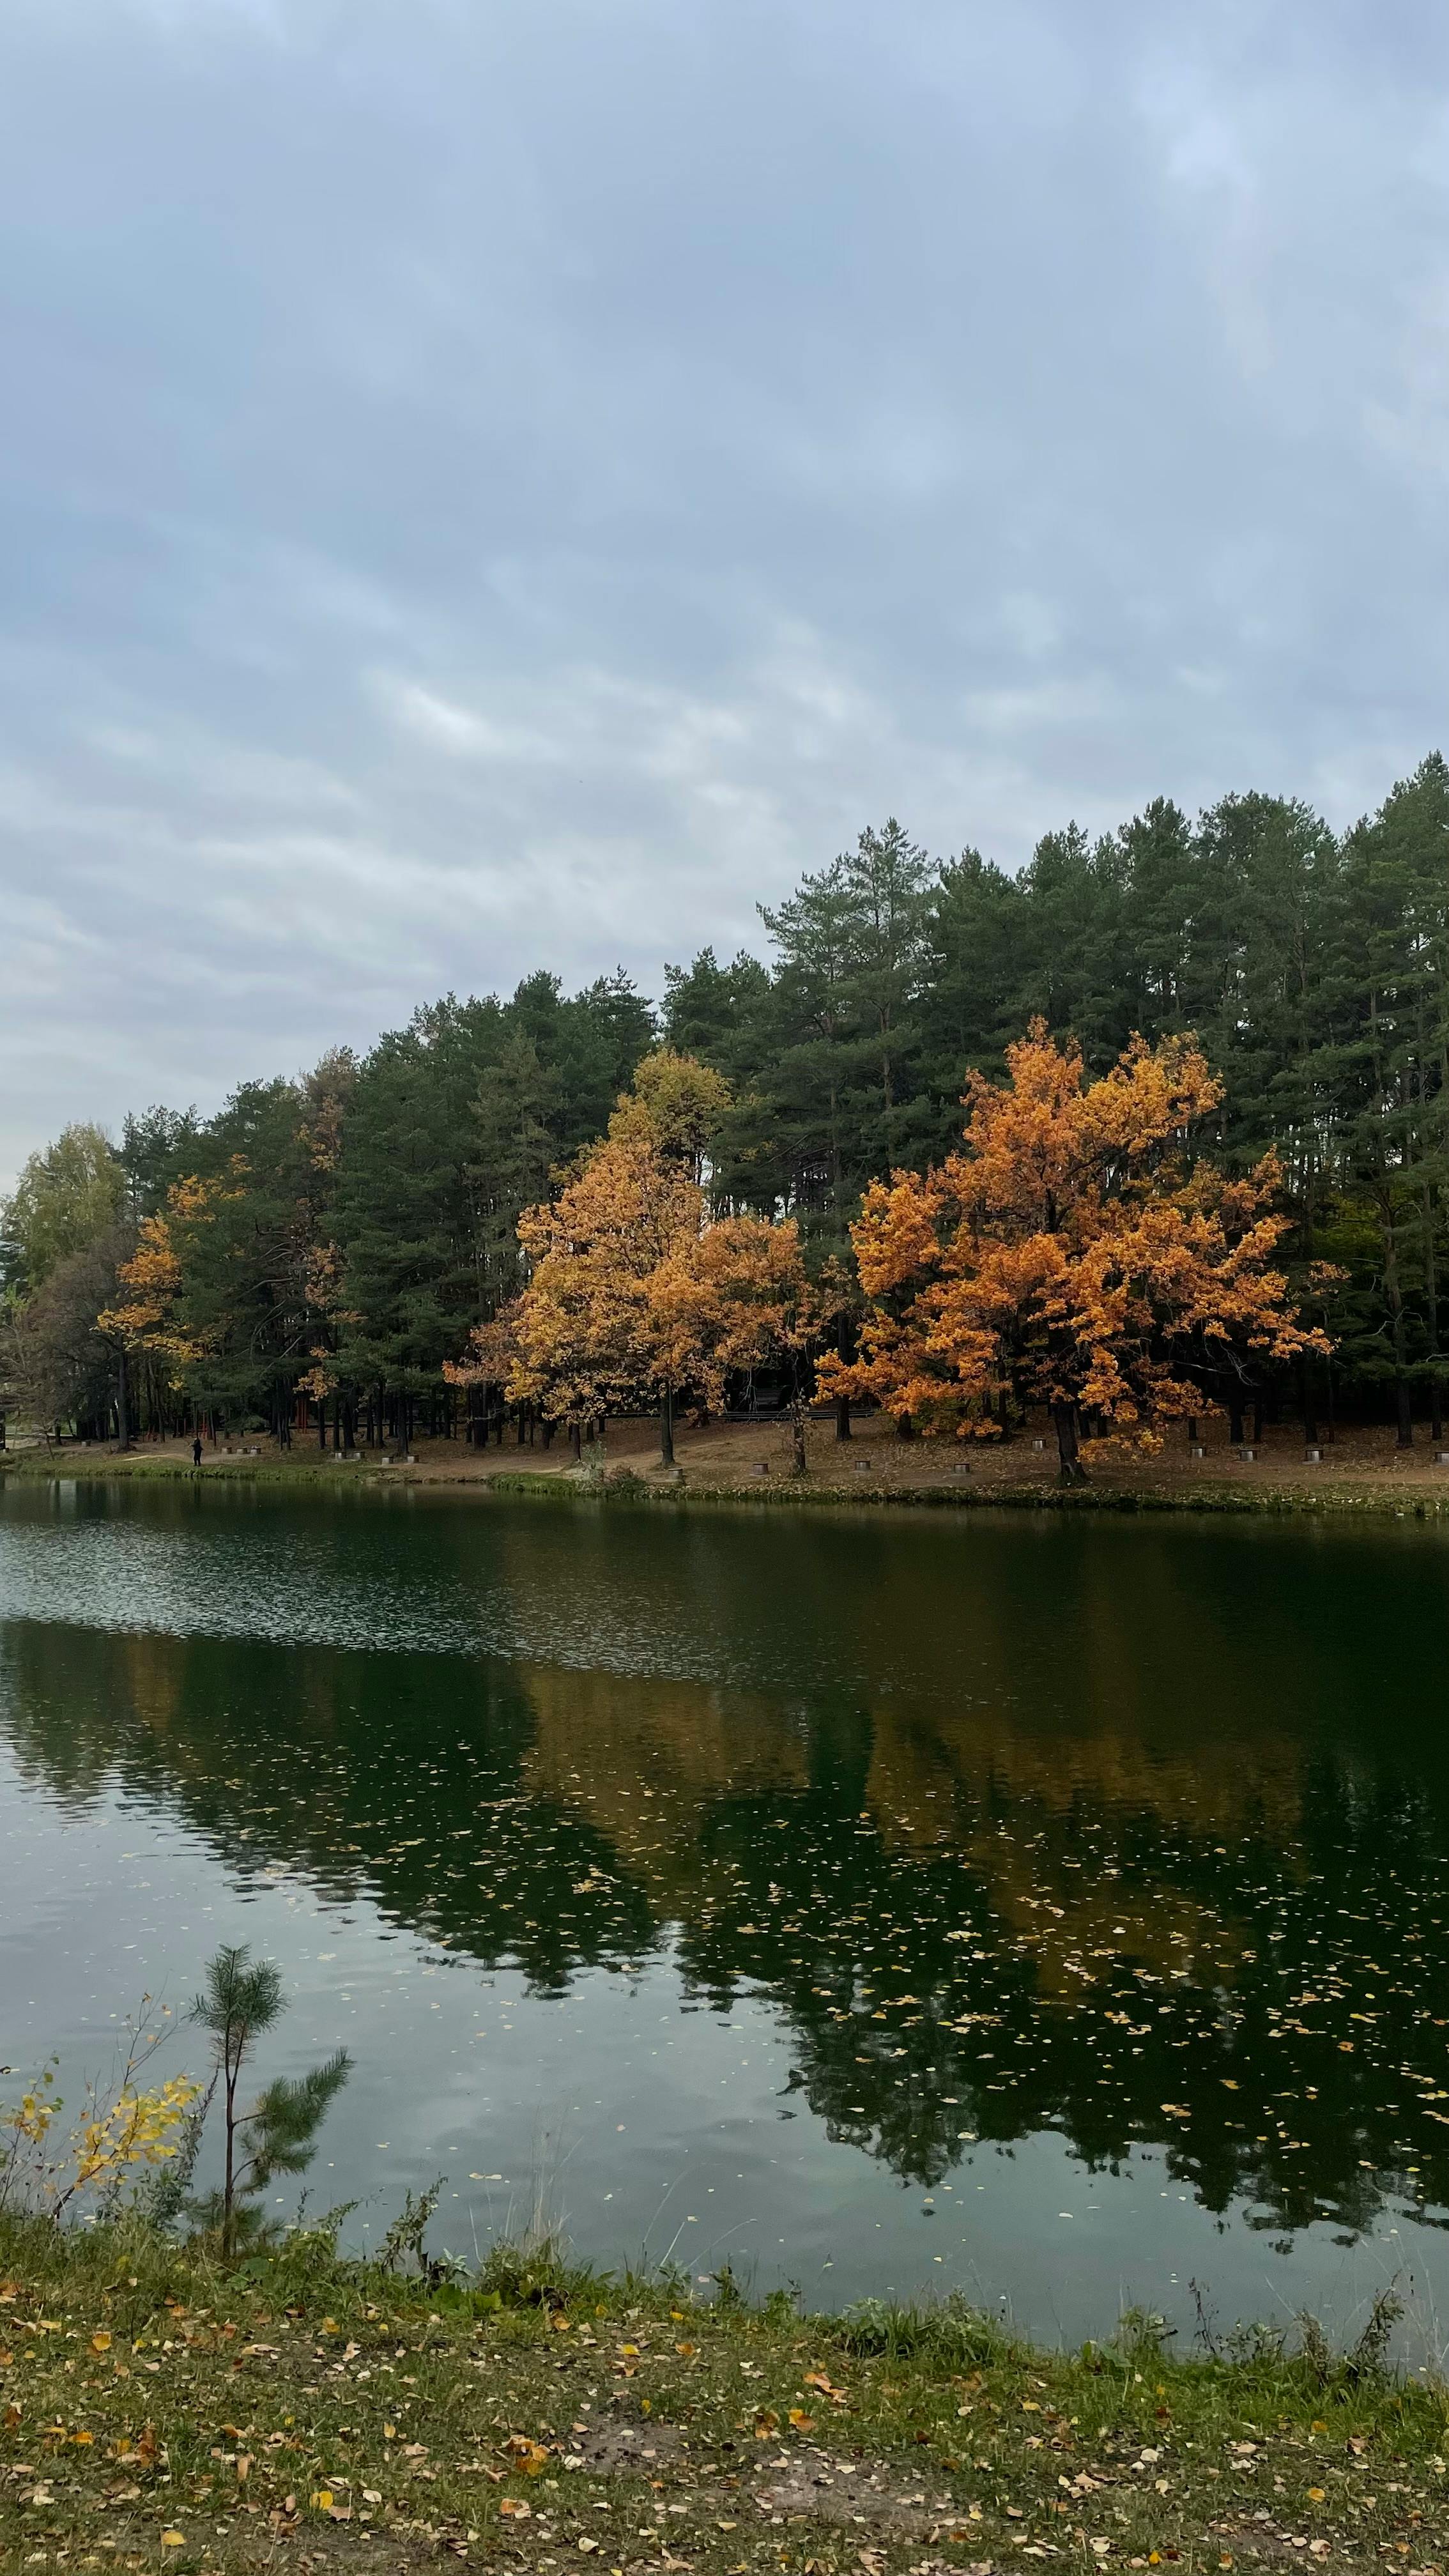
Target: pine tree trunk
(666, 1428)
(123, 1415)
(1403, 1402)
(1235, 1419)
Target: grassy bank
(300, 2412)
(1333, 1498)
(1101, 1496)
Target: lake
(1054, 1909)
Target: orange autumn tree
(1074, 1254)
(637, 1291)
(149, 1320)
(740, 1299)
(590, 1335)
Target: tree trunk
(845, 1350)
(1235, 1419)
(1394, 1297)
(123, 1415)
(666, 1428)
(1071, 1469)
(1310, 1403)
(1258, 1421)
(576, 1441)
(905, 1427)
(799, 1463)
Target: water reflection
(1092, 1830)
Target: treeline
(349, 1229)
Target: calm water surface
(1057, 1911)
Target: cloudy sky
(497, 482)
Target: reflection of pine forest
(980, 1916)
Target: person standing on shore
(196, 1450)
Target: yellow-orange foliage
(635, 1291)
(1072, 1255)
(154, 1275)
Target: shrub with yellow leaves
(126, 2128)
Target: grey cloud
(486, 486)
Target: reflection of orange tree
(1072, 1256)
(947, 1960)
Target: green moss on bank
(157, 2410)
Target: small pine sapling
(242, 1998)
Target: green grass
(782, 1492)
(303, 2412)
